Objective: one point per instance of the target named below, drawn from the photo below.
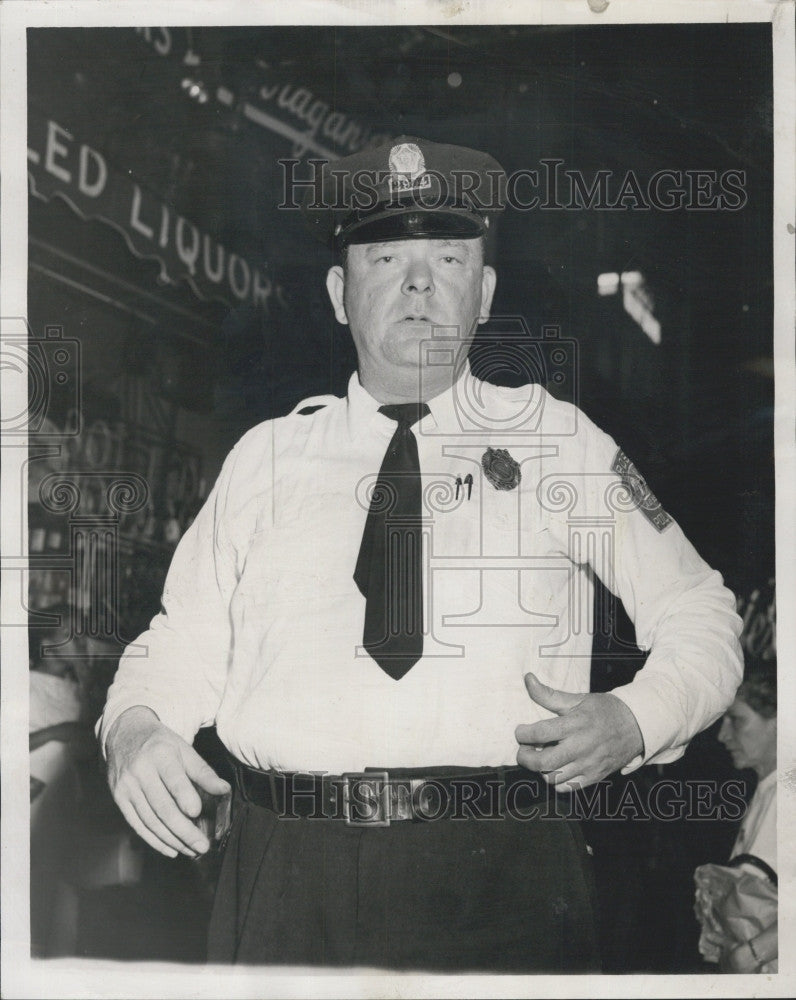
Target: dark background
(694, 413)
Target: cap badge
(407, 167)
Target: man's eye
(451, 260)
(387, 258)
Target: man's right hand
(152, 773)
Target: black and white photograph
(398, 456)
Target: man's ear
(335, 286)
(488, 282)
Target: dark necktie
(389, 570)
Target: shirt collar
(362, 407)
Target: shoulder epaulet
(310, 405)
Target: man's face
(750, 738)
(394, 296)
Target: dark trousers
(499, 895)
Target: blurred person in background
(59, 733)
(76, 842)
(749, 732)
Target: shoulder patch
(644, 498)
(305, 411)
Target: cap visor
(414, 224)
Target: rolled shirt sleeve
(681, 610)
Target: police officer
(383, 607)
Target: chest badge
(502, 471)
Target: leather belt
(377, 798)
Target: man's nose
(418, 279)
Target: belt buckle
(366, 799)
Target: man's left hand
(592, 736)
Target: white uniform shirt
(261, 627)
